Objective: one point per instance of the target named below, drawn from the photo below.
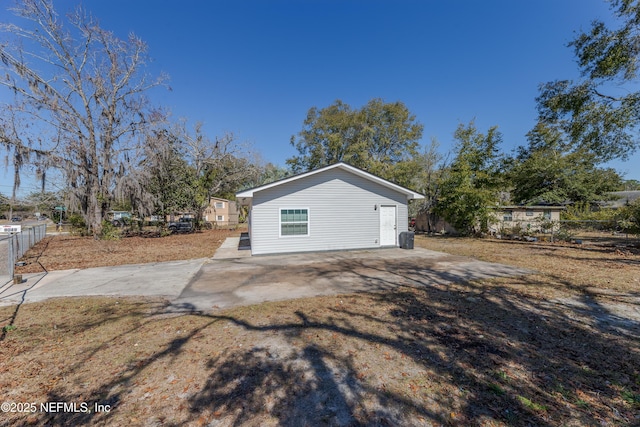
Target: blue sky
(255, 67)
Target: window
(547, 214)
(220, 218)
(294, 222)
(508, 216)
(219, 205)
(529, 213)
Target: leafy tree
(381, 138)
(266, 174)
(629, 185)
(5, 205)
(44, 201)
(428, 181)
(629, 218)
(271, 173)
(162, 184)
(471, 187)
(549, 171)
(79, 102)
(600, 113)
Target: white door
(387, 225)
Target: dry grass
(495, 353)
(62, 252)
(598, 267)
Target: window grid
(294, 222)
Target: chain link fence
(13, 247)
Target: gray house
(332, 208)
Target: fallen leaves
(64, 252)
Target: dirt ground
(63, 252)
(547, 349)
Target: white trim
(359, 172)
(286, 236)
(395, 224)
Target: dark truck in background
(183, 225)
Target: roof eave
(411, 195)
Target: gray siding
(341, 213)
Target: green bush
(584, 212)
(629, 218)
(109, 231)
(586, 218)
(564, 234)
(78, 224)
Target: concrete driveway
(154, 279)
(226, 283)
(211, 284)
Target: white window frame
(219, 217)
(508, 213)
(218, 207)
(293, 235)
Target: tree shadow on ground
(428, 352)
(514, 360)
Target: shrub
(629, 218)
(78, 225)
(109, 231)
(564, 234)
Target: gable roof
(341, 165)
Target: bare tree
(219, 167)
(79, 101)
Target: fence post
(10, 256)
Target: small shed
(337, 207)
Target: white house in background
(336, 207)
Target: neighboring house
(526, 218)
(336, 207)
(221, 212)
